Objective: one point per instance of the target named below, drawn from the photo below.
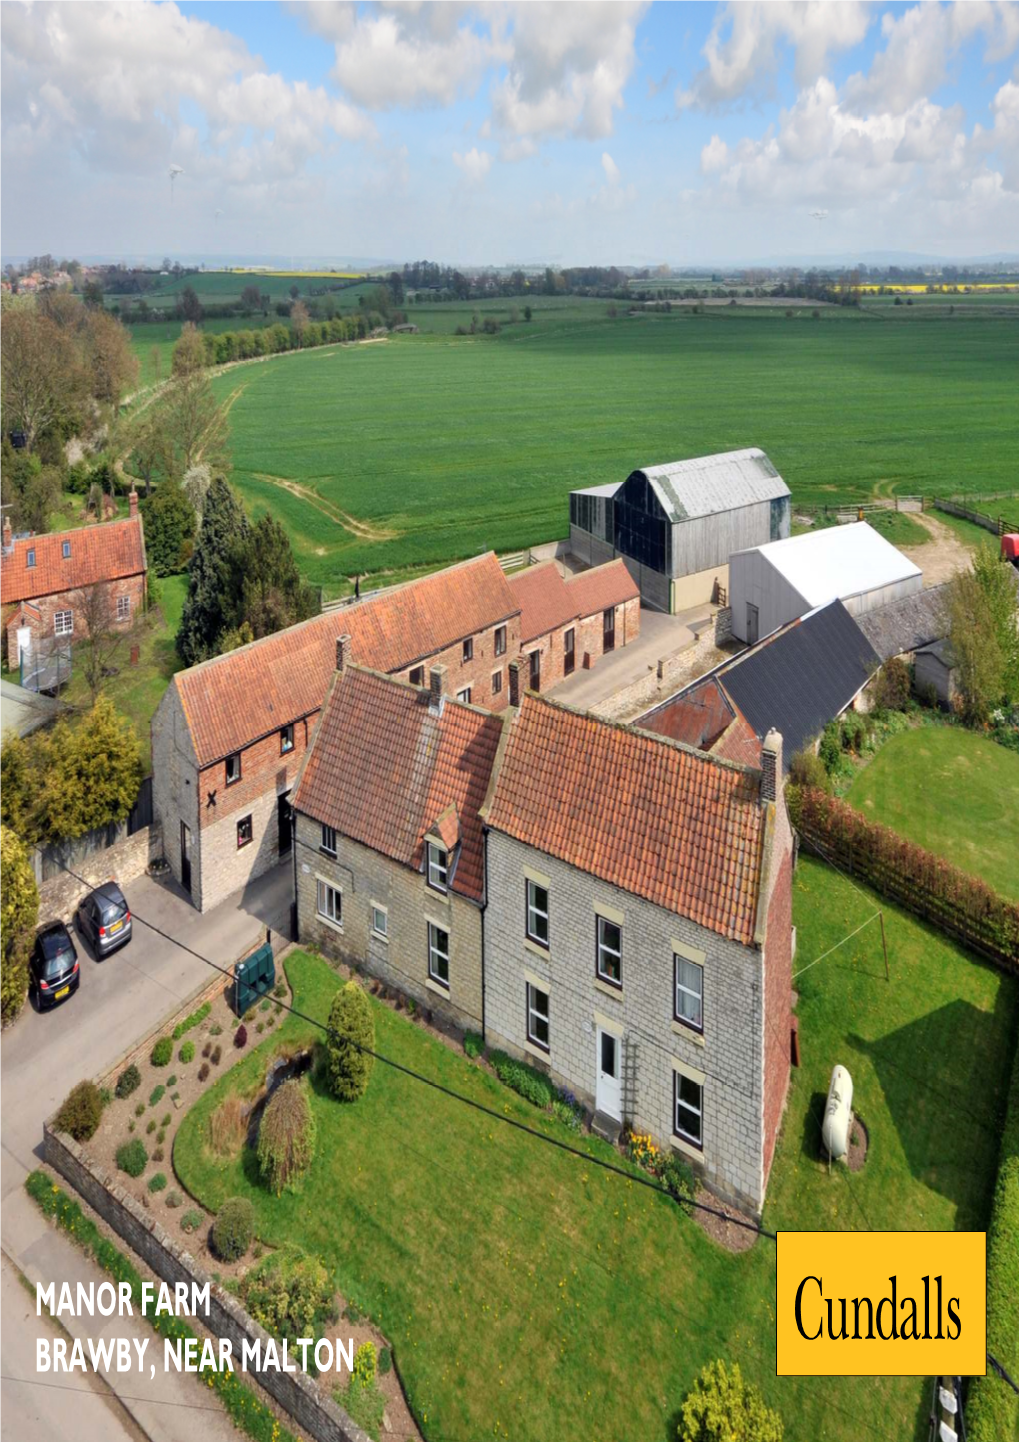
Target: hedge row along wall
(960, 905)
(992, 1410)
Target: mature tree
(18, 795)
(92, 294)
(19, 912)
(981, 609)
(251, 299)
(196, 424)
(189, 305)
(170, 522)
(294, 292)
(44, 384)
(299, 319)
(153, 454)
(93, 771)
(188, 352)
(268, 592)
(208, 608)
(111, 361)
(98, 640)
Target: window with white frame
(499, 649)
(468, 649)
(465, 695)
(328, 840)
(329, 903)
(380, 921)
(538, 1016)
(417, 676)
(537, 913)
(63, 623)
(690, 983)
(244, 832)
(30, 559)
(65, 550)
(438, 867)
(687, 1122)
(233, 768)
(609, 951)
(497, 682)
(123, 608)
(439, 954)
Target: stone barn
(676, 525)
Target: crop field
(419, 450)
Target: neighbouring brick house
(42, 579)
(389, 865)
(569, 622)
(229, 734)
(638, 935)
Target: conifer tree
(210, 605)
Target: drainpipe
(485, 908)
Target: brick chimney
(771, 766)
(437, 682)
(343, 652)
(133, 503)
(8, 534)
(515, 683)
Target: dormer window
(30, 559)
(65, 550)
(438, 867)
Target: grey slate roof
(908, 624)
(25, 711)
(710, 484)
(942, 651)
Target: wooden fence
(996, 524)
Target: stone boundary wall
(641, 695)
(125, 861)
(296, 1392)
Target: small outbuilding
(676, 525)
(775, 583)
(935, 672)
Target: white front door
(608, 1088)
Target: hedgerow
(195, 1019)
(523, 1079)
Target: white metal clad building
(676, 525)
(773, 584)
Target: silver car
(104, 919)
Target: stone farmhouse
(229, 734)
(569, 622)
(389, 862)
(638, 937)
(42, 579)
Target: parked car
(53, 970)
(104, 920)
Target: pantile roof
(386, 770)
(233, 699)
(548, 600)
(679, 829)
(707, 485)
(106, 551)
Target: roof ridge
(394, 680)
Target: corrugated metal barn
(676, 525)
(773, 584)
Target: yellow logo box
(880, 1304)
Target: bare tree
(197, 426)
(98, 637)
(42, 376)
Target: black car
(53, 972)
(104, 920)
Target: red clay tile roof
(697, 718)
(383, 770)
(232, 700)
(681, 830)
(547, 600)
(107, 551)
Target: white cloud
(1005, 133)
(610, 167)
(475, 165)
(404, 57)
(714, 155)
(740, 51)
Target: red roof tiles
(547, 600)
(107, 551)
(233, 699)
(680, 830)
(383, 769)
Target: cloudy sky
(619, 131)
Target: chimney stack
(343, 652)
(133, 502)
(772, 766)
(515, 683)
(437, 680)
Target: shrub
(830, 750)
(240, 1035)
(280, 989)
(156, 1095)
(228, 1126)
(215, 1029)
(173, 1199)
(474, 1045)
(157, 1155)
(132, 1158)
(80, 1112)
(679, 1182)
(171, 1080)
(385, 1361)
(233, 1229)
(140, 1109)
(129, 1081)
(151, 1126)
(191, 1221)
(207, 1048)
(286, 1137)
(351, 1029)
(722, 1407)
(166, 1119)
(157, 1183)
(532, 1085)
(363, 1403)
(567, 1115)
(291, 1294)
(808, 769)
(203, 1071)
(364, 1363)
(217, 1052)
(892, 685)
(265, 1004)
(162, 1052)
(161, 1136)
(187, 1052)
(105, 1097)
(194, 1019)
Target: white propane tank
(836, 1126)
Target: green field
(547, 1290)
(441, 446)
(951, 791)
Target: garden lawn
(952, 791)
(532, 1295)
